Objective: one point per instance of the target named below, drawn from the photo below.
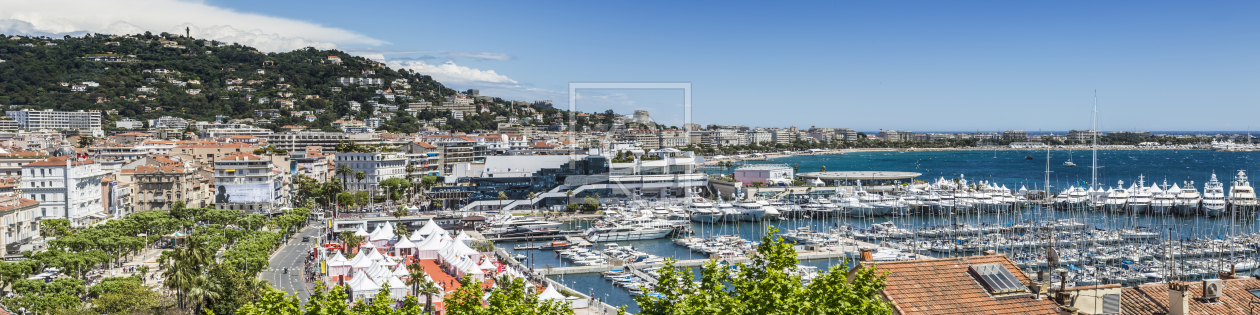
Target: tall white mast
(1093, 180)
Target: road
(291, 256)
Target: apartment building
(158, 187)
(313, 164)
(84, 121)
(425, 158)
(20, 217)
(67, 187)
(896, 136)
(1083, 136)
(11, 163)
(206, 153)
(247, 183)
(376, 166)
(1014, 135)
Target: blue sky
(930, 65)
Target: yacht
(1213, 197)
(1069, 161)
(1140, 201)
(728, 211)
(1188, 199)
(625, 233)
(702, 211)
(750, 211)
(1242, 198)
(1163, 200)
(508, 223)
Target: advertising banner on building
(243, 193)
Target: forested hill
(192, 78)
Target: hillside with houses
(147, 76)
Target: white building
(66, 187)
(245, 182)
(89, 121)
(770, 174)
(375, 166)
(129, 124)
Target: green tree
(345, 172)
(54, 227)
(769, 279)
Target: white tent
(366, 245)
(551, 294)
(404, 247)
(388, 261)
(362, 287)
(463, 237)
(429, 228)
(361, 232)
(401, 271)
(382, 235)
(375, 255)
(486, 265)
(462, 249)
(430, 247)
(361, 261)
(398, 289)
(338, 265)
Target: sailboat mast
(1093, 180)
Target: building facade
(66, 187)
(84, 121)
(375, 166)
(245, 182)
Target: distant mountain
(197, 79)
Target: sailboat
(1069, 161)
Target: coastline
(770, 156)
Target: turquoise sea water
(1009, 168)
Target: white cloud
(450, 73)
(76, 17)
(482, 56)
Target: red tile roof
(945, 286)
(1153, 298)
(59, 161)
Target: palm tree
(502, 197)
(531, 196)
(344, 170)
(203, 291)
(410, 168)
(360, 176)
(823, 168)
(400, 230)
(420, 285)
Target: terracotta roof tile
(59, 161)
(945, 286)
(1153, 298)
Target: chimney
(866, 255)
(1178, 298)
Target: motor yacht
(1117, 198)
(1213, 198)
(702, 211)
(750, 211)
(1163, 201)
(1188, 199)
(1140, 201)
(1242, 197)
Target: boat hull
(638, 234)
